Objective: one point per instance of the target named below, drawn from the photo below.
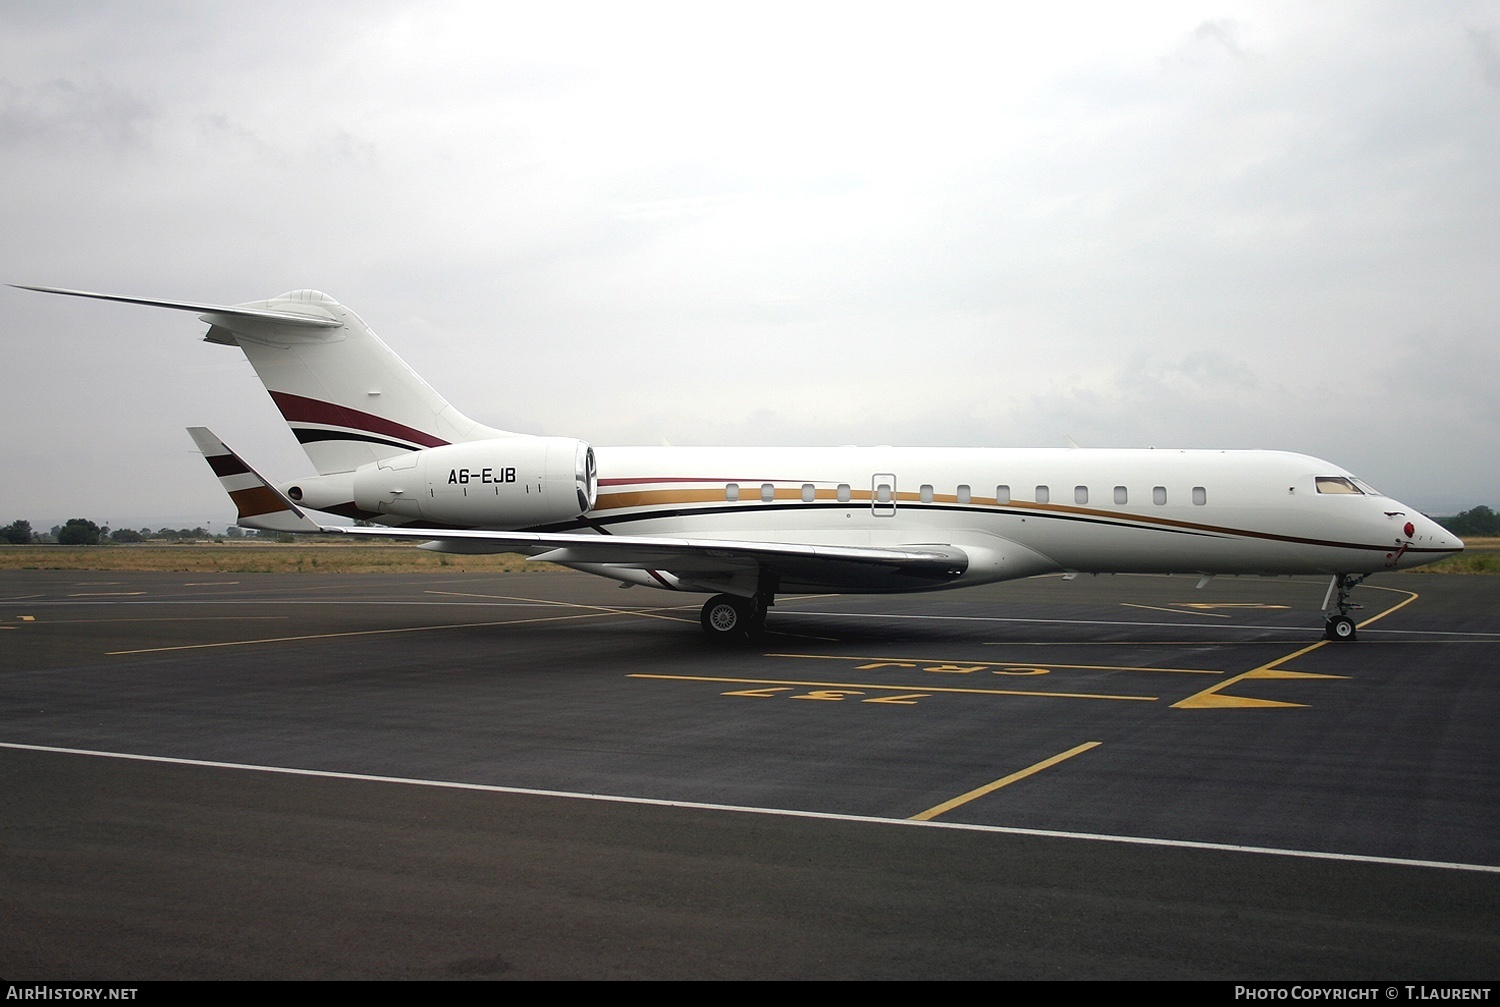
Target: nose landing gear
(1340, 628)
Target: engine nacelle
(507, 483)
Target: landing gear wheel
(725, 617)
(1340, 628)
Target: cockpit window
(1337, 484)
(1371, 490)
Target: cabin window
(963, 494)
(767, 492)
(808, 493)
(844, 493)
(1336, 484)
(1158, 495)
(1043, 494)
(926, 492)
(1122, 496)
(883, 493)
(1002, 494)
(1080, 494)
(732, 492)
(1200, 496)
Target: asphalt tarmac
(543, 776)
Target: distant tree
(16, 533)
(124, 535)
(1480, 522)
(79, 531)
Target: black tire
(725, 617)
(1340, 629)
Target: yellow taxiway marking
(1004, 781)
(1174, 611)
(104, 594)
(1411, 596)
(28, 618)
(951, 666)
(1212, 699)
(887, 688)
(364, 632)
(1227, 604)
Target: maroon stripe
(297, 408)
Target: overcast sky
(1222, 225)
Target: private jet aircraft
(746, 524)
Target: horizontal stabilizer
(260, 504)
(225, 310)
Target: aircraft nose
(1427, 534)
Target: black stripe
(226, 465)
(306, 435)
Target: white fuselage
(1020, 512)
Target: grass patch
(1480, 555)
(257, 557)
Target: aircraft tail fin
(260, 504)
(347, 397)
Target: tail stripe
(299, 409)
(307, 435)
(226, 465)
(257, 500)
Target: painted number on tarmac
(828, 695)
(957, 669)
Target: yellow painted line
(1209, 699)
(1004, 781)
(1411, 597)
(1174, 611)
(366, 632)
(999, 664)
(105, 594)
(1228, 604)
(889, 688)
(28, 618)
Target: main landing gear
(1340, 627)
(728, 618)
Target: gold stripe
(257, 500)
(750, 495)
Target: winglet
(260, 504)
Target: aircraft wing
(906, 567)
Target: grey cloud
(67, 114)
(1486, 53)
